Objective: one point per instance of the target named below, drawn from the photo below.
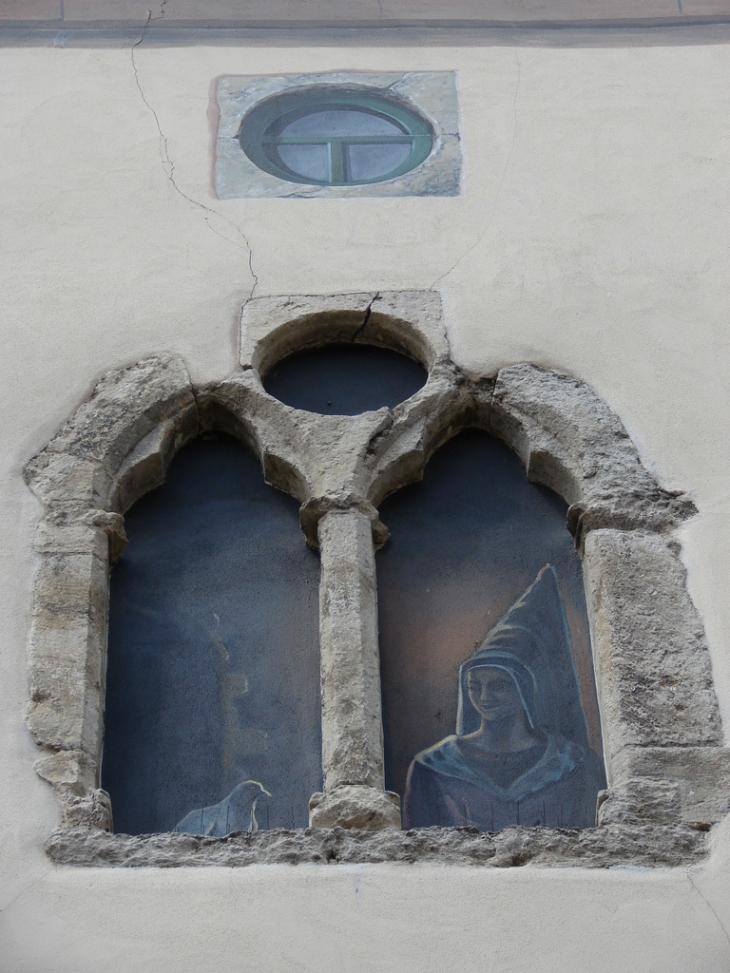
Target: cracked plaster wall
(590, 238)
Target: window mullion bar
(337, 161)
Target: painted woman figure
(504, 766)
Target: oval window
(335, 138)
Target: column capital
(313, 510)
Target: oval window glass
(335, 138)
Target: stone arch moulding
(669, 775)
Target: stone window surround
(429, 94)
(668, 772)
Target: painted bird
(236, 812)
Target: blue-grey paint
(345, 379)
(213, 676)
(465, 544)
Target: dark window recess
(344, 379)
(469, 549)
(212, 710)
(335, 138)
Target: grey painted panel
(213, 676)
(466, 544)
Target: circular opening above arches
(344, 379)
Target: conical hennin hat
(531, 642)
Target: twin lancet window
(424, 659)
(213, 698)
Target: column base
(355, 806)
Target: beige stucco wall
(592, 236)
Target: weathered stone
(701, 776)
(72, 584)
(145, 467)
(66, 663)
(70, 771)
(303, 454)
(125, 406)
(355, 806)
(570, 440)
(652, 664)
(313, 510)
(407, 321)
(92, 811)
(640, 800)
(649, 845)
(352, 734)
(74, 528)
(447, 405)
(71, 538)
(62, 478)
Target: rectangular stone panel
(67, 659)
(71, 538)
(72, 584)
(652, 664)
(700, 774)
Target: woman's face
(493, 694)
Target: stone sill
(647, 844)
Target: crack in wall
(368, 312)
(168, 164)
(710, 907)
(25, 890)
(499, 187)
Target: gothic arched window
(666, 767)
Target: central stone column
(352, 730)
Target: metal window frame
(260, 145)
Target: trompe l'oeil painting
(489, 702)
(504, 765)
(212, 720)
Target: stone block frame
(669, 775)
(432, 95)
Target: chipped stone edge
(643, 844)
(664, 776)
